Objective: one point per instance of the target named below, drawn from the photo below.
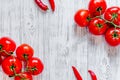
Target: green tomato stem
(106, 21)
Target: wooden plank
(57, 40)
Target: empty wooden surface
(57, 41)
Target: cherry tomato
(97, 7)
(24, 76)
(7, 46)
(82, 17)
(24, 52)
(11, 65)
(35, 66)
(113, 14)
(97, 26)
(112, 36)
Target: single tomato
(113, 14)
(34, 66)
(24, 76)
(82, 17)
(7, 46)
(11, 65)
(24, 52)
(97, 26)
(97, 7)
(112, 36)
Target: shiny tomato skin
(1, 59)
(35, 63)
(112, 36)
(97, 26)
(24, 51)
(95, 6)
(8, 45)
(24, 76)
(113, 14)
(10, 62)
(82, 17)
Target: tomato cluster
(12, 65)
(101, 20)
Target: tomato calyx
(31, 69)
(115, 35)
(25, 56)
(99, 9)
(114, 16)
(99, 25)
(1, 47)
(12, 67)
(88, 18)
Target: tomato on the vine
(35, 66)
(7, 46)
(97, 26)
(97, 7)
(82, 17)
(24, 52)
(112, 36)
(113, 14)
(23, 76)
(11, 65)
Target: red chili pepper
(41, 5)
(76, 73)
(52, 4)
(93, 76)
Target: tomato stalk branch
(106, 21)
(12, 67)
(1, 50)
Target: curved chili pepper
(92, 74)
(52, 4)
(76, 73)
(41, 5)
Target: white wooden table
(57, 41)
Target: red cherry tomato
(11, 65)
(97, 26)
(113, 14)
(97, 7)
(7, 46)
(35, 66)
(24, 52)
(112, 36)
(82, 17)
(24, 76)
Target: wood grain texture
(57, 41)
